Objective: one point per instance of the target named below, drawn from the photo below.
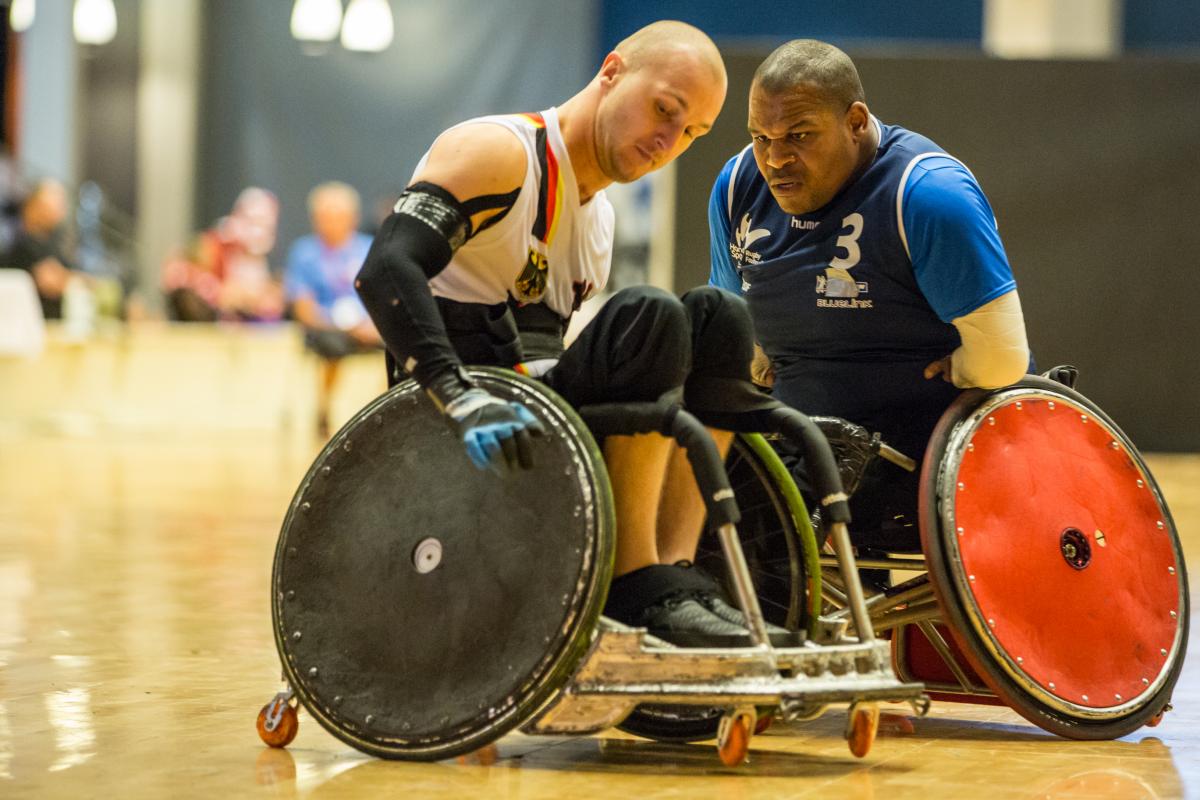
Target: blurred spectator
(224, 274)
(104, 251)
(12, 194)
(320, 287)
(38, 246)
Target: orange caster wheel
(733, 739)
(763, 723)
(485, 756)
(1158, 718)
(277, 722)
(861, 726)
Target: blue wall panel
(1162, 24)
(877, 20)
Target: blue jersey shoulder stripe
(722, 272)
(733, 176)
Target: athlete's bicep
(953, 241)
(482, 165)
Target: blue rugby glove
(498, 434)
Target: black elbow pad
(414, 244)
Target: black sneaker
(713, 599)
(716, 605)
(663, 599)
(683, 620)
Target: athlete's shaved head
(814, 65)
(657, 92)
(667, 38)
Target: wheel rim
(1055, 536)
(372, 621)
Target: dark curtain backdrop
(108, 79)
(275, 116)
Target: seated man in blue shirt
(320, 287)
(871, 263)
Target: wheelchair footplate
(627, 667)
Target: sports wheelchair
(422, 609)
(1050, 579)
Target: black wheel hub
(1075, 548)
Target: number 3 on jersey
(849, 242)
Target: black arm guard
(413, 245)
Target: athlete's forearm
(994, 350)
(413, 245)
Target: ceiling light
(21, 15)
(367, 26)
(95, 21)
(316, 20)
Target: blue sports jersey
(852, 301)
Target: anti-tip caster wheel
(1157, 719)
(485, 756)
(733, 739)
(277, 722)
(862, 723)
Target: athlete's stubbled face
(806, 149)
(649, 116)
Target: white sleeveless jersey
(548, 248)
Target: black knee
(637, 348)
(649, 299)
(722, 333)
(643, 317)
(652, 337)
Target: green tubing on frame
(795, 503)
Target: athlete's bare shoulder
(478, 159)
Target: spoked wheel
(422, 608)
(1055, 559)
(772, 531)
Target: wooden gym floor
(136, 650)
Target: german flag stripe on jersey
(550, 189)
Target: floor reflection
(70, 713)
(136, 650)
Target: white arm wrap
(994, 349)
